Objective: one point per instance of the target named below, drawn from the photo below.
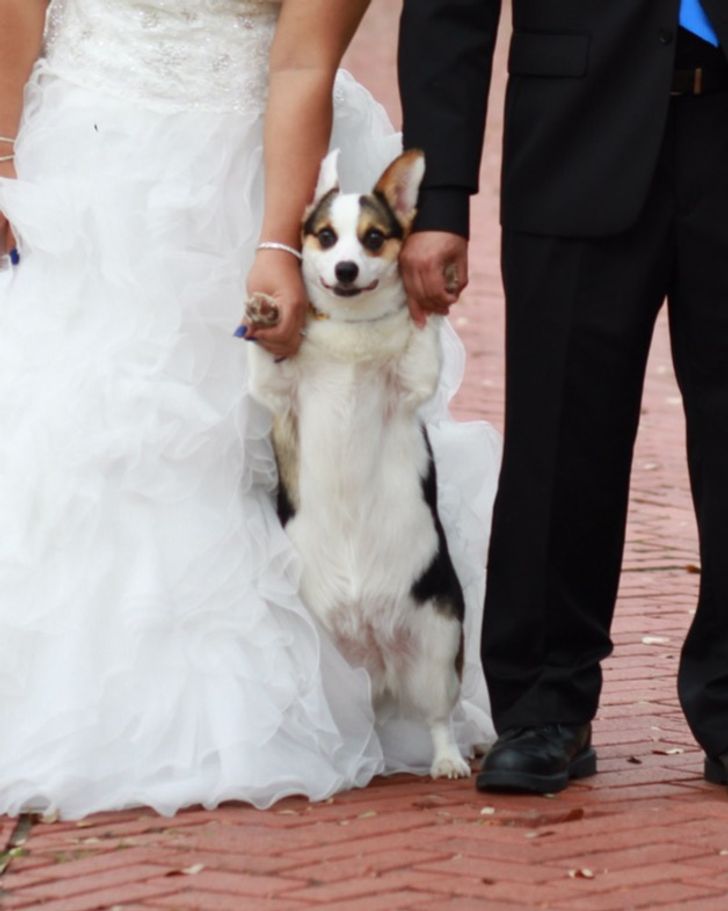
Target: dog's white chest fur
(361, 523)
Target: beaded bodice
(206, 54)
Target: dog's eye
(373, 240)
(326, 238)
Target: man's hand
(435, 271)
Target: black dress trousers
(580, 317)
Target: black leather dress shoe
(540, 759)
(716, 769)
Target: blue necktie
(693, 18)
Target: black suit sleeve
(445, 60)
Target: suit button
(665, 36)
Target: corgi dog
(357, 490)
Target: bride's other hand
(7, 237)
(277, 274)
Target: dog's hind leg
(431, 683)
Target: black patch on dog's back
(284, 507)
(439, 583)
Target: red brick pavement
(647, 832)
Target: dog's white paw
(261, 311)
(450, 765)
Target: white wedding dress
(153, 650)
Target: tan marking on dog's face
(318, 232)
(379, 232)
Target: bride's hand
(7, 238)
(278, 275)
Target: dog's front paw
(450, 765)
(261, 311)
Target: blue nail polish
(14, 256)
(241, 332)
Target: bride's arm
(310, 41)
(21, 34)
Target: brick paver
(647, 832)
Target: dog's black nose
(346, 272)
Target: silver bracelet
(274, 245)
(7, 158)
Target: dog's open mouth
(344, 291)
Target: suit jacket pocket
(548, 54)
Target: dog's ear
(328, 179)
(400, 184)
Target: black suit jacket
(587, 98)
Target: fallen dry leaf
(187, 871)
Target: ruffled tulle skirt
(153, 649)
